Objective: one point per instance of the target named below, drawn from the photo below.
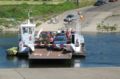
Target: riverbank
(61, 73)
(93, 16)
(12, 14)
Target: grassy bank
(20, 11)
(11, 2)
(15, 13)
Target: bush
(38, 24)
(108, 28)
(1, 28)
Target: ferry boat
(72, 46)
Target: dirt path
(93, 15)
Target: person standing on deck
(50, 42)
(68, 34)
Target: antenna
(29, 11)
(29, 16)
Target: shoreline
(90, 23)
(56, 30)
(62, 73)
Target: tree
(77, 2)
(74, 1)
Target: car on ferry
(42, 41)
(59, 41)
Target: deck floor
(45, 54)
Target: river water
(102, 50)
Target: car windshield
(43, 35)
(70, 16)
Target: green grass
(18, 12)
(11, 2)
(86, 2)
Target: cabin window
(77, 43)
(30, 30)
(25, 30)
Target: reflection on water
(18, 62)
(102, 50)
(76, 63)
(49, 63)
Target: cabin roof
(27, 25)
